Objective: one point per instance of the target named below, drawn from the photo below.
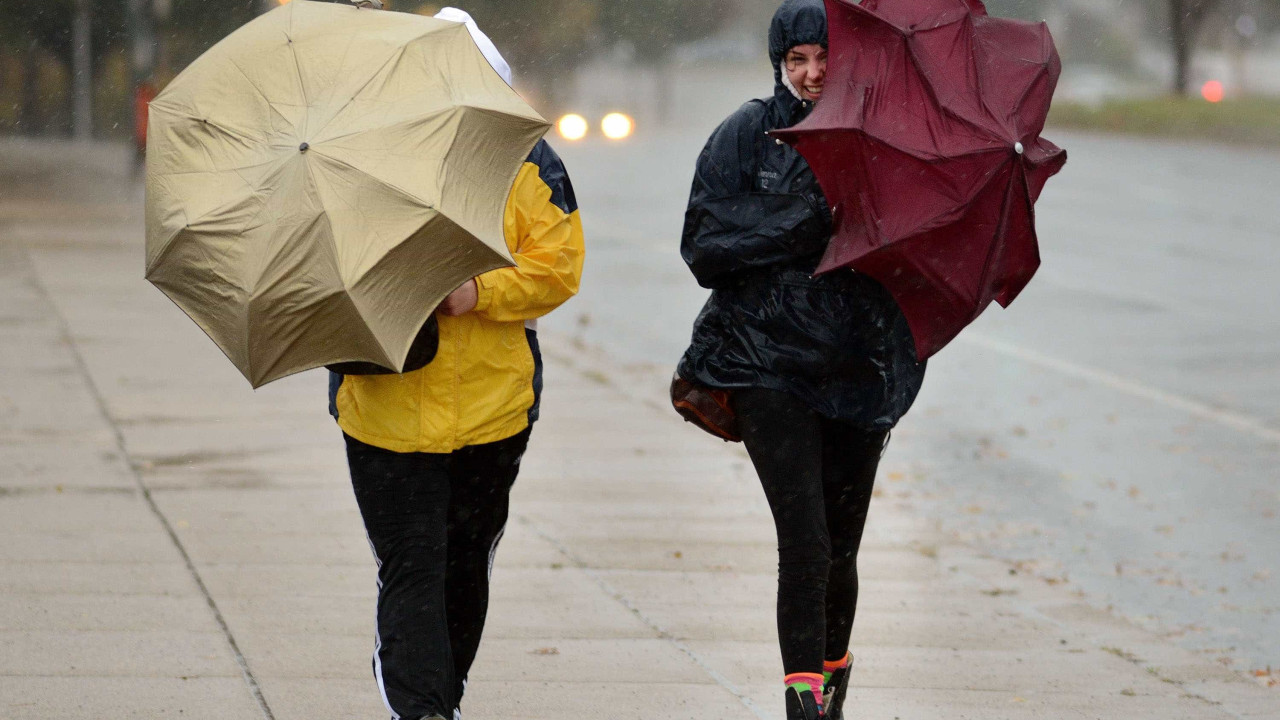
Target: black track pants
(817, 476)
(434, 521)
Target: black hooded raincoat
(756, 227)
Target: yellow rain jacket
(485, 381)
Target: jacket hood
(797, 22)
(482, 41)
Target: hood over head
(797, 22)
(482, 41)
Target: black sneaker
(802, 706)
(833, 693)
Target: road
(1117, 429)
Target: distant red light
(1212, 91)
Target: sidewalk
(173, 544)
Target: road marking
(1235, 420)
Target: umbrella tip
(306, 146)
(1017, 147)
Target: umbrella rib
(933, 93)
(342, 62)
(390, 186)
(977, 191)
(415, 118)
(297, 68)
(256, 191)
(395, 57)
(237, 169)
(977, 77)
(238, 133)
(1004, 219)
(333, 243)
(249, 80)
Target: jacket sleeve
(729, 227)
(548, 253)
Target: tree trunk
(1181, 47)
(82, 71)
(1185, 19)
(29, 118)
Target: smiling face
(806, 68)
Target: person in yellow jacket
(434, 452)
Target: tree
(1186, 17)
(43, 30)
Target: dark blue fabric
(335, 382)
(537, 374)
(552, 171)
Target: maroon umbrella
(927, 145)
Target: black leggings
(434, 521)
(817, 475)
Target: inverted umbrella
(927, 145)
(322, 178)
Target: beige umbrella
(322, 178)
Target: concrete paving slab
(337, 698)
(1032, 669)
(289, 655)
(276, 549)
(620, 701)
(105, 612)
(76, 513)
(875, 628)
(292, 509)
(922, 704)
(734, 589)
(263, 579)
(110, 653)
(193, 698)
(603, 660)
(61, 461)
(118, 547)
(91, 578)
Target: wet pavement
(1117, 429)
(175, 544)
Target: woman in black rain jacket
(818, 369)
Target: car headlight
(617, 126)
(572, 127)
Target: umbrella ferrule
(1017, 147)
(307, 146)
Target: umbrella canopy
(322, 178)
(927, 145)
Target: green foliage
(1247, 120)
